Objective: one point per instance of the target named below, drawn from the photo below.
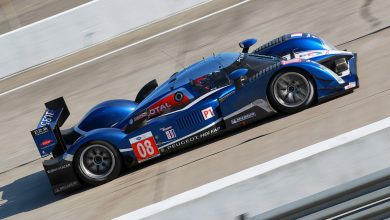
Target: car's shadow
(34, 191)
(26, 194)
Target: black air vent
(272, 43)
(190, 119)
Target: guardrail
(79, 28)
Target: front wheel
(98, 162)
(291, 91)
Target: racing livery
(219, 93)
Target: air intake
(190, 119)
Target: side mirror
(238, 76)
(246, 44)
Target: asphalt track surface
(19, 13)
(24, 189)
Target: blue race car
(217, 94)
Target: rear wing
(47, 135)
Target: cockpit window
(211, 81)
(205, 67)
(220, 78)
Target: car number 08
(144, 146)
(145, 149)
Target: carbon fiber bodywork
(61, 175)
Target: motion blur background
(18, 13)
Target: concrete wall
(79, 28)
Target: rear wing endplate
(47, 135)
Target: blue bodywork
(203, 100)
(106, 114)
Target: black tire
(291, 91)
(98, 162)
(146, 90)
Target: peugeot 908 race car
(219, 93)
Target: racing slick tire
(291, 91)
(98, 162)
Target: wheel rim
(97, 161)
(291, 89)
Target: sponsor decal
(46, 142)
(159, 109)
(314, 53)
(310, 54)
(66, 186)
(162, 106)
(243, 118)
(192, 139)
(311, 35)
(350, 85)
(172, 100)
(170, 134)
(166, 129)
(144, 146)
(44, 139)
(208, 113)
(296, 60)
(141, 116)
(40, 131)
(58, 168)
(296, 35)
(46, 118)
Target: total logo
(208, 113)
(159, 109)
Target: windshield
(211, 81)
(210, 65)
(205, 68)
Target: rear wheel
(98, 162)
(291, 91)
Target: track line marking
(251, 172)
(103, 41)
(125, 47)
